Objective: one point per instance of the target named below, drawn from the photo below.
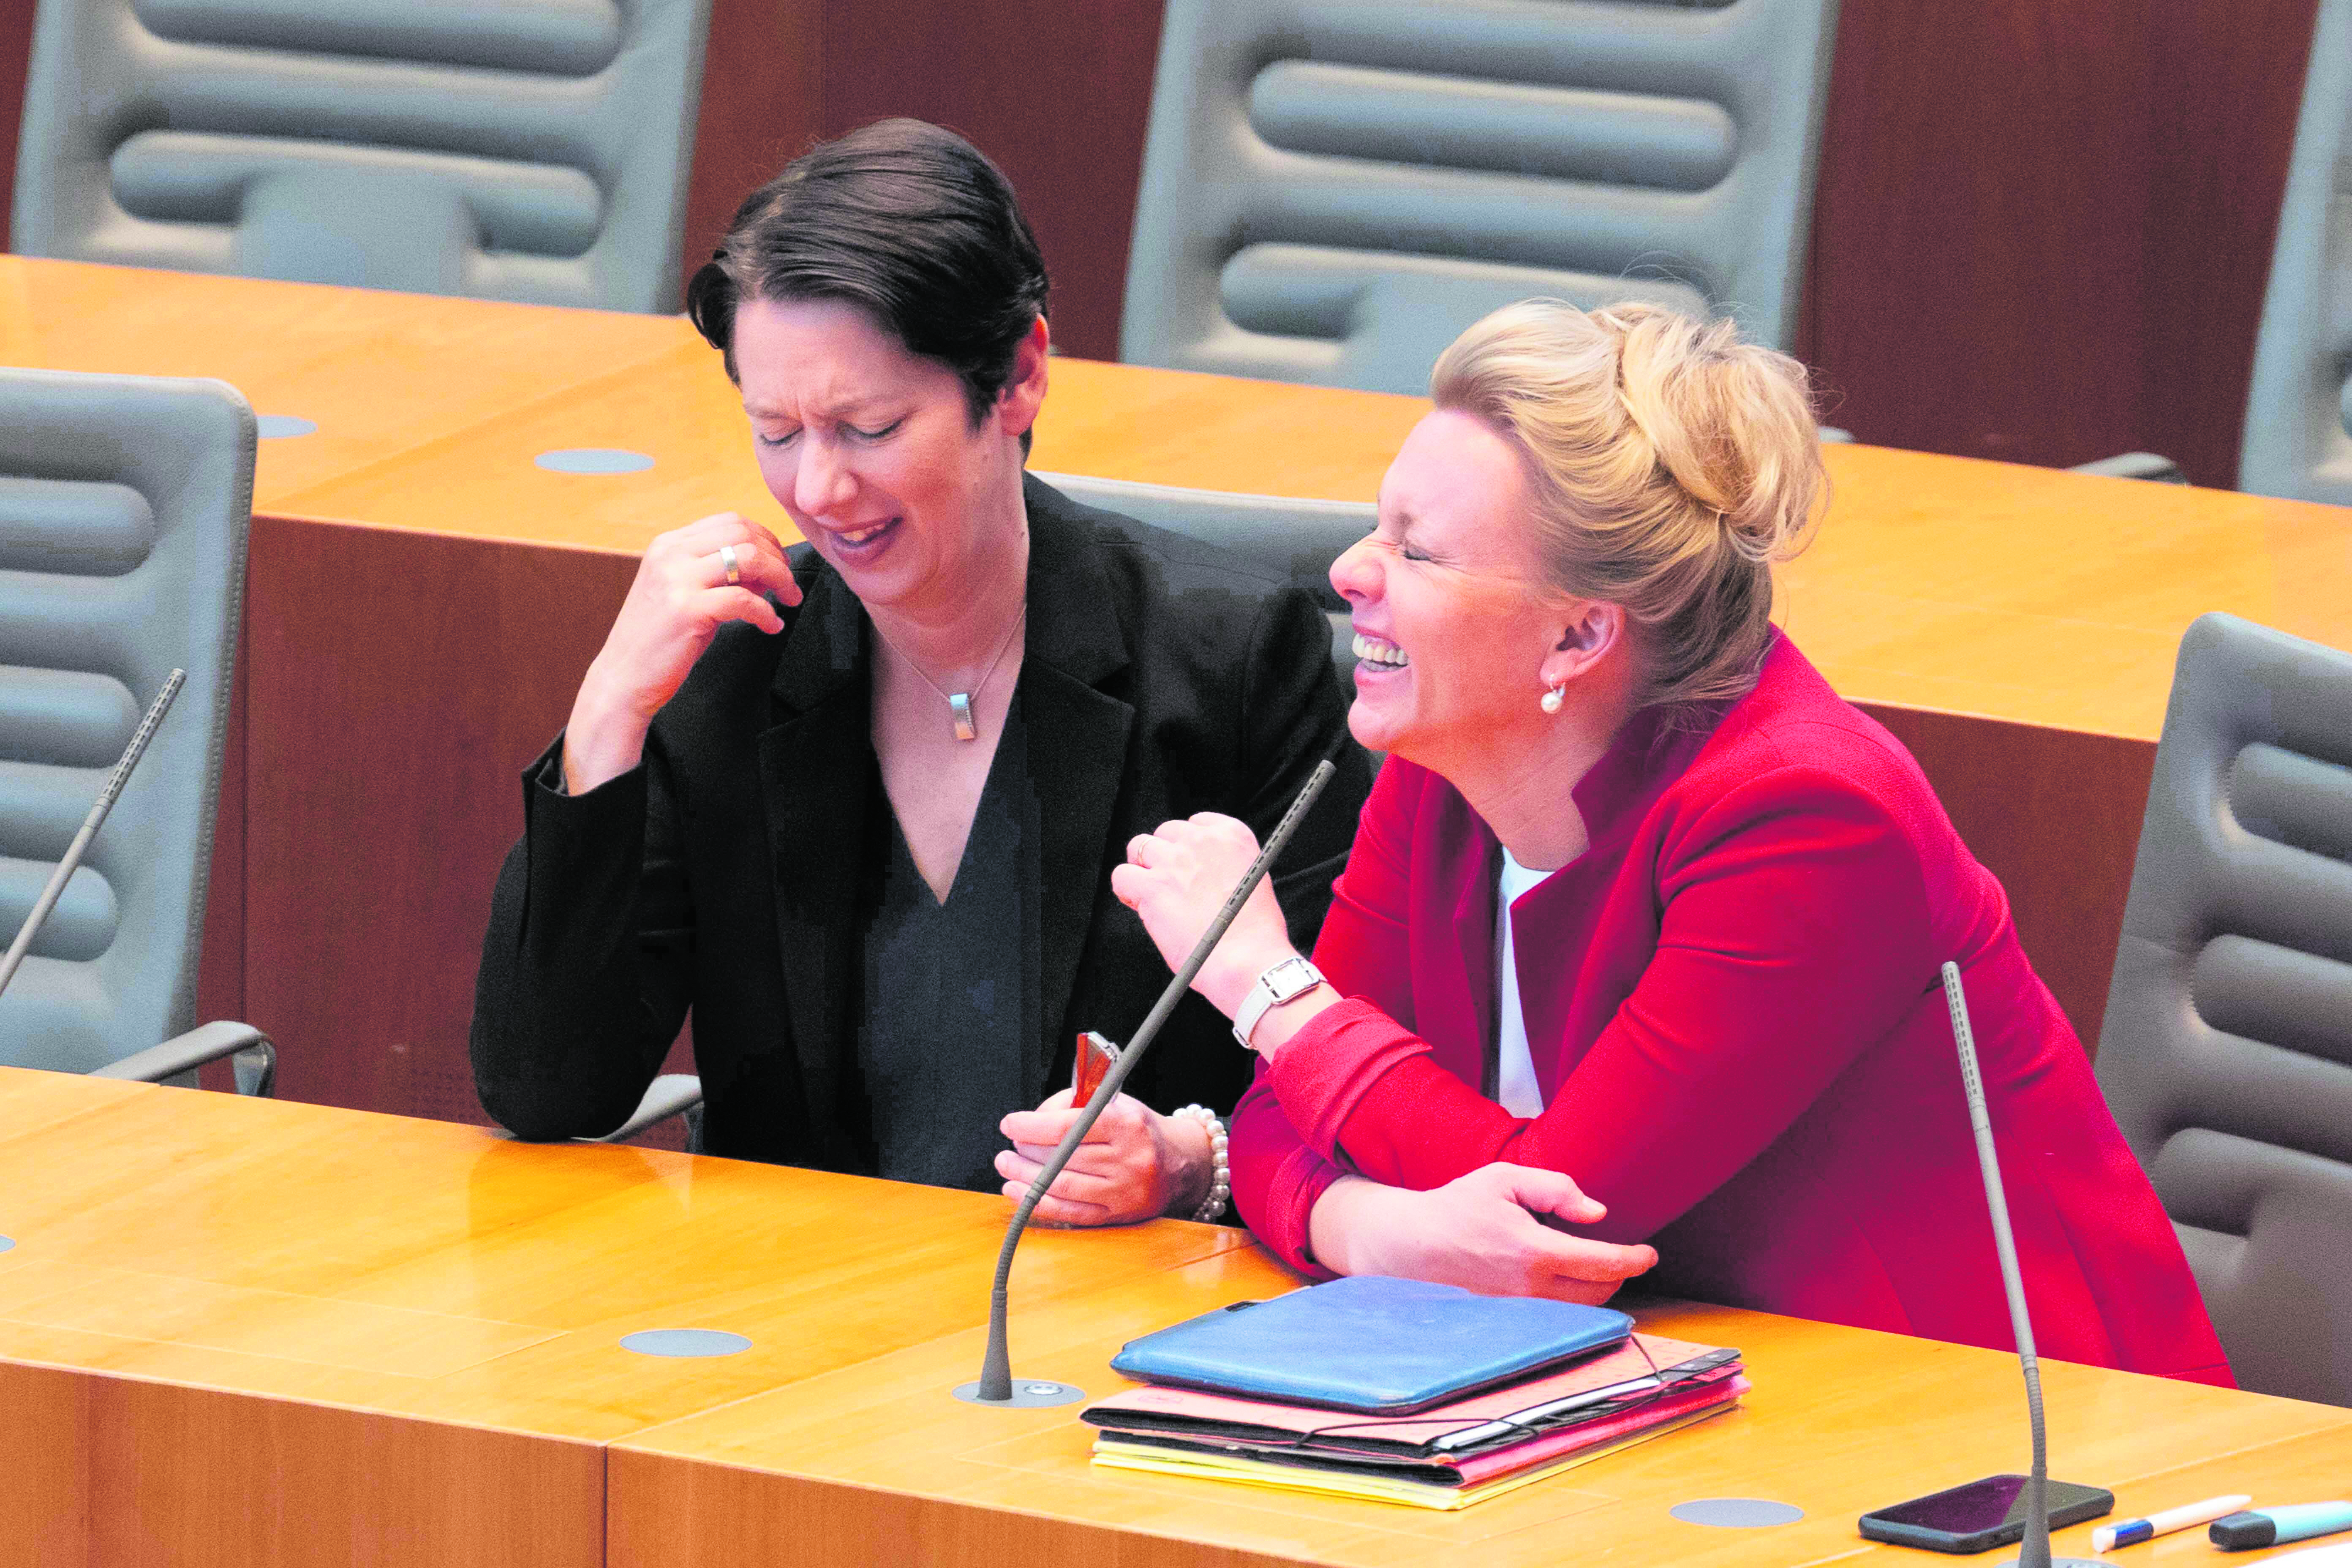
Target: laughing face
(1453, 618)
(872, 451)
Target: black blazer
(1161, 677)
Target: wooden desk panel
(134, 1470)
(848, 1466)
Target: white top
(1515, 1078)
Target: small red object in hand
(1095, 1057)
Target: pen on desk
(2132, 1531)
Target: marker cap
(2242, 1532)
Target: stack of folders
(1403, 1392)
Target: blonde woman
(1634, 962)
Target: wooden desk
(424, 599)
(850, 1466)
(379, 373)
(258, 1334)
(251, 1331)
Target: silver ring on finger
(728, 559)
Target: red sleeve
(1277, 1177)
(1793, 934)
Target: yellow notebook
(1372, 1488)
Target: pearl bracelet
(1221, 1181)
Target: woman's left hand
(1177, 877)
(1135, 1164)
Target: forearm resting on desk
(1487, 1232)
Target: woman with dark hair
(854, 803)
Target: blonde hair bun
(1673, 465)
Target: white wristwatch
(1285, 981)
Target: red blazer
(1733, 1008)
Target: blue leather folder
(1373, 1344)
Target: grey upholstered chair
(2227, 1049)
(1333, 189)
(533, 149)
(2298, 438)
(123, 509)
(1300, 539)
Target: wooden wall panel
(762, 98)
(220, 976)
(1057, 91)
(15, 48)
(399, 683)
(2043, 226)
(2056, 815)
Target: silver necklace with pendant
(959, 702)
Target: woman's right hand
(677, 604)
(1482, 1231)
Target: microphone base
(1038, 1393)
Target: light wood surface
(253, 1332)
(838, 1469)
(379, 372)
(296, 1326)
(1127, 422)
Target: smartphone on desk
(1981, 1515)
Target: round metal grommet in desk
(1028, 1394)
(684, 1342)
(594, 460)
(1737, 1513)
(277, 427)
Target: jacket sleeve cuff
(1276, 1178)
(581, 851)
(1323, 1072)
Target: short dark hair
(904, 219)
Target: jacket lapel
(1077, 747)
(1452, 936)
(818, 778)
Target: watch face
(1291, 977)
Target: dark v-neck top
(951, 990)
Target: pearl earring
(1555, 697)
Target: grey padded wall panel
(124, 509)
(1333, 189)
(2298, 440)
(2227, 1049)
(530, 149)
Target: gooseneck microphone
(90, 826)
(2033, 1551)
(995, 1385)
